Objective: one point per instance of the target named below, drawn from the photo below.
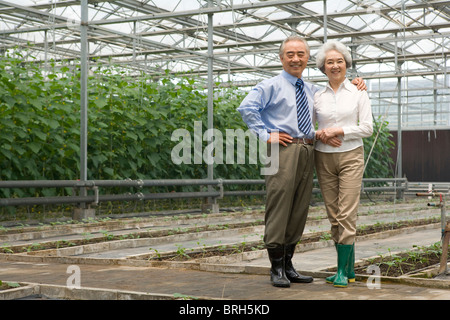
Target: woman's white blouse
(348, 108)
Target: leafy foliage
(380, 163)
(130, 123)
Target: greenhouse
(391, 40)
(122, 123)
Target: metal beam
(83, 94)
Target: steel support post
(398, 67)
(83, 211)
(211, 203)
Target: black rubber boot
(277, 271)
(291, 273)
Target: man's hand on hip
(279, 137)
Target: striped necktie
(303, 116)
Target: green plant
(180, 296)
(181, 251)
(325, 236)
(86, 235)
(9, 284)
(407, 260)
(6, 249)
(202, 245)
(240, 247)
(158, 255)
(33, 247)
(108, 236)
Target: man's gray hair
(332, 45)
(293, 38)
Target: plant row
(130, 124)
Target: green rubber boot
(350, 267)
(344, 251)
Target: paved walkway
(112, 281)
(216, 285)
(208, 284)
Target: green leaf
(131, 135)
(53, 124)
(35, 147)
(8, 154)
(109, 171)
(41, 135)
(13, 284)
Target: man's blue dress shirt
(271, 106)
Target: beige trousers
(340, 177)
(288, 195)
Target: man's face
(294, 58)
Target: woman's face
(335, 66)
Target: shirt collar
(348, 85)
(289, 77)
(345, 85)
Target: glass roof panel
(389, 38)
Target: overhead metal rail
(233, 36)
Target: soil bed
(395, 265)
(399, 264)
(187, 254)
(183, 255)
(110, 237)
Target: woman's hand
(334, 142)
(330, 136)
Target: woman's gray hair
(293, 38)
(332, 45)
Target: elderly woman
(344, 117)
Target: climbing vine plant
(130, 123)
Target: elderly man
(279, 110)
